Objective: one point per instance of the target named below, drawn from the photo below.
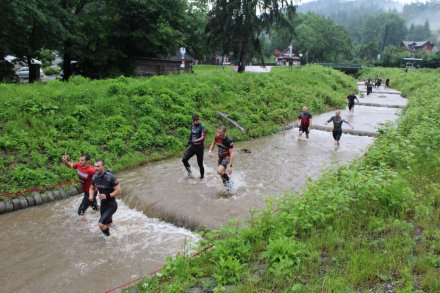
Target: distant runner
(225, 154)
(85, 172)
(337, 126)
(196, 143)
(108, 188)
(304, 122)
(350, 102)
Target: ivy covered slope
(126, 120)
(371, 226)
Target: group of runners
(196, 147)
(97, 181)
(304, 120)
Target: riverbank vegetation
(370, 226)
(131, 120)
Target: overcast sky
(401, 1)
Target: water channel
(49, 249)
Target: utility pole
(383, 43)
(384, 38)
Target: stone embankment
(35, 199)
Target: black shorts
(224, 162)
(337, 134)
(304, 128)
(107, 210)
(350, 106)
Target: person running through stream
(337, 126)
(304, 122)
(108, 189)
(196, 145)
(225, 154)
(85, 172)
(350, 102)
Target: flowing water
(49, 249)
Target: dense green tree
(237, 25)
(393, 29)
(367, 53)
(113, 31)
(28, 26)
(419, 32)
(194, 30)
(321, 39)
(384, 29)
(73, 15)
(392, 56)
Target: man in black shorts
(85, 172)
(225, 154)
(337, 126)
(108, 188)
(304, 122)
(196, 143)
(350, 102)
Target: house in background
(143, 66)
(287, 57)
(422, 46)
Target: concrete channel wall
(35, 199)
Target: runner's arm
(348, 124)
(211, 147)
(66, 162)
(202, 137)
(231, 159)
(117, 191)
(91, 191)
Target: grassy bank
(131, 120)
(371, 226)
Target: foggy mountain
(344, 12)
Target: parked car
(22, 74)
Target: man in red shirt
(225, 154)
(304, 122)
(85, 172)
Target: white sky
(400, 1)
(409, 1)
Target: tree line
(102, 35)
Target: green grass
(127, 121)
(368, 226)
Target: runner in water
(225, 154)
(350, 102)
(108, 188)
(196, 143)
(337, 126)
(85, 172)
(304, 122)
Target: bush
(52, 70)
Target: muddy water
(48, 249)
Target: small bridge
(345, 67)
